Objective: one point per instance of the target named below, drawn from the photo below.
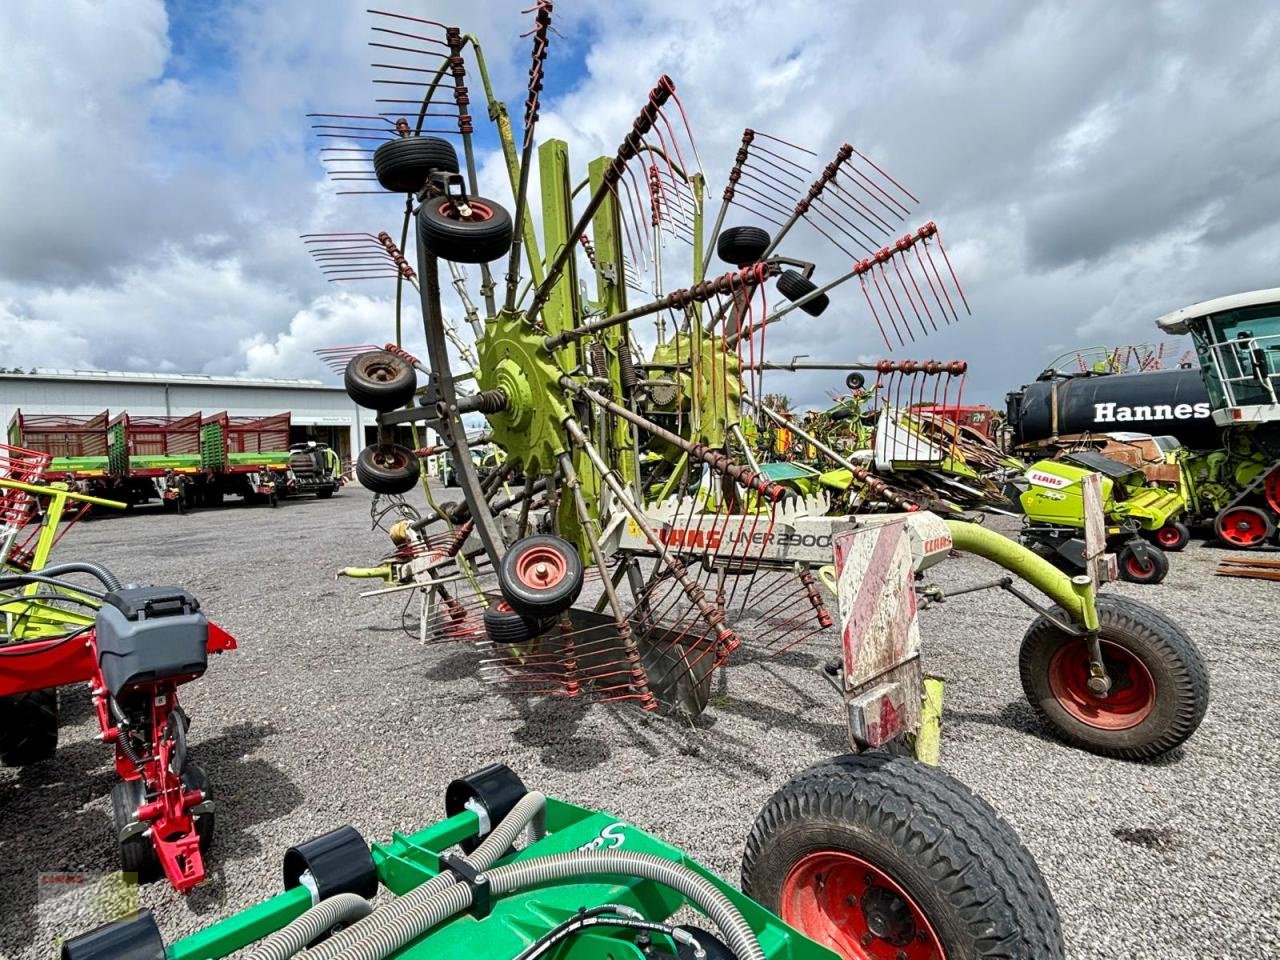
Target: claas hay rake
(627, 538)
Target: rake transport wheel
(482, 234)
(380, 380)
(739, 246)
(1245, 528)
(1149, 566)
(1172, 537)
(403, 165)
(1159, 682)
(507, 628)
(28, 727)
(883, 858)
(794, 285)
(387, 468)
(541, 576)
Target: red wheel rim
(1243, 526)
(1129, 702)
(856, 909)
(1168, 536)
(380, 370)
(1134, 564)
(480, 212)
(541, 568)
(1271, 488)
(390, 458)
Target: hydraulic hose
(343, 908)
(379, 936)
(95, 570)
(388, 927)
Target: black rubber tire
(28, 727)
(380, 380)
(505, 627)
(324, 493)
(740, 246)
(855, 381)
(194, 778)
(793, 285)
(465, 241)
(540, 601)
(1177, 670)
(388, 468)
(137, 853)
(1132, 569)
(404, 164)
(963, 865)
(1173, 537)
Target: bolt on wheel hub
(853, 907)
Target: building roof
(1176, 322)
(129, 376)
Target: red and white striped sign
(880, 634)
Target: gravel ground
(328, 714)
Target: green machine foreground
(513, 875)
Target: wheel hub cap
(1125, 705)
(856, 909)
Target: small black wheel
(380, 380)
(387, 468)
(505, 627)
(404, 164)
(137, 853)
(1171, 538)
(742, 245)
(28, 727)
(482, 236)
(1142, 563)
(872, 855)
(194, 778)
(1159, 681)
(855, 381)
(540, 576)
(793, 285)
(1243, 527)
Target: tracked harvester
(1237, 339)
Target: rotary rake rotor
(616, 526)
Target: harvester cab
(1237, 339)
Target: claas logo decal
(690, 537)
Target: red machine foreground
(134, 662)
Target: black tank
(1159, 402)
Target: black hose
(95, 570)
(22, 579)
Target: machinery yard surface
(330, 714)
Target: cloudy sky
(1091, 165)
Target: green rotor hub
(514, 360)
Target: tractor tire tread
(964, 854)
(1163, 639)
